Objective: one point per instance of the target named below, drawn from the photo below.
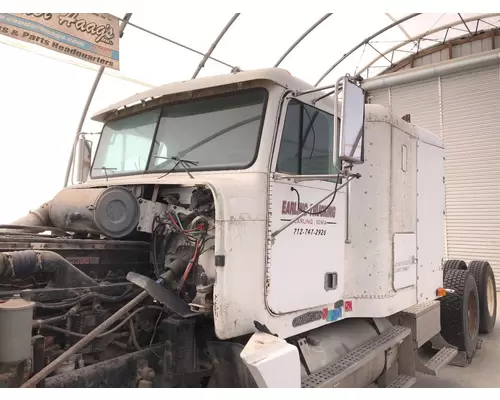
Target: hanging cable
(174, 42)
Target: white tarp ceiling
(254, 40)
(259, 40)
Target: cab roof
(276, 75)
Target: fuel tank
(329, 343)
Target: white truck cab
(268, 153)
(315, 224)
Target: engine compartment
(98, 245)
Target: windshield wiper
(106, 169)
(179, 161)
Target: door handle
(331, 281)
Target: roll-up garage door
(471, 131)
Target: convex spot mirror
(352, 123)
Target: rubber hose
(26, 263)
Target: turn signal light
(440, 292)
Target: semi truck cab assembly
(242, 230)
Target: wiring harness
(170, 224)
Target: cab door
(306, 260)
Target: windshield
(220, 132)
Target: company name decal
(291, 208)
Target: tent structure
(436, 98)
(317, 48)
(170, 46)
(157, 48)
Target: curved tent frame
(302, 37)
(366, 41)
(388, 54)
(418, 38)
(214, 45)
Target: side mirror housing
(352, 123)
(83, 160)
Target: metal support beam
(487, 23)
(446, 35)
(364, 42)
(304, 35)
(466, 27)
(214, 45)
(377, 51)
(124, 22)
(399, 26)
(448, 67)
(429, 32)
(176, 43)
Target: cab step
(441, 358)
(346, 365)
(402, 381)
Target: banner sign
(89, 37)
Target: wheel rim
(490, 295)
(472, 314)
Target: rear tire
(460, 311)
(486, 286)
(452, 265)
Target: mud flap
(273, 362)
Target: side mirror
(352, 123)
(83, 160)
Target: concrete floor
(483, 372)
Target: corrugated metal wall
(420, 99)
(465, 110)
